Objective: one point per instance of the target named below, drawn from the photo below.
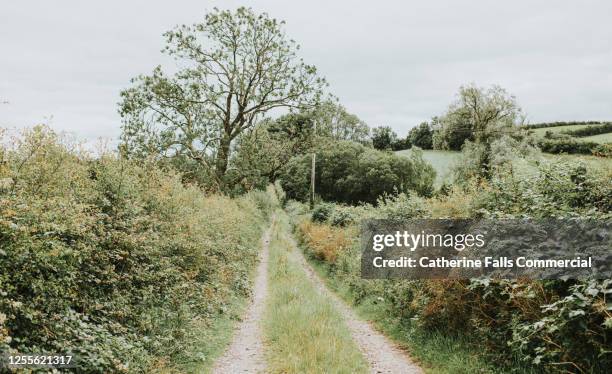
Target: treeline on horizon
(425, 134)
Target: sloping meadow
(114, 260)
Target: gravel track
(382, 355)
(246, 352)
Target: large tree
(233, 68)
(477, 120)
(383, 137)
(421, 136)
(479, 115)
(333, 121)
(263, 151)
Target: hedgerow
(561, 123)
(603, 128)
(567, 144)
(114, 261)
(550, 326)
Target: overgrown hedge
(115, 261)
(556, 124)
(550, 326)
(590, 130)
(563, 143)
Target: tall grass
(304, 331)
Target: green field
(601, 138)
(443, 161)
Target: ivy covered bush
(112, 260)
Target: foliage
(351, 173)
(477, 115)
(400, 144)
(383, 137)
(421, 136)
(114, 260)
(603, 128)
(498, 157)
(551, 326)
(236, 66)
(558, 124)
(336, 123)
(558, 189)
(553, 143)
(322, 212)
(603, 150)
(264, 151)
(325, 242)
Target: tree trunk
(223, 157)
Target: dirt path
(382, 355)
(246, 352)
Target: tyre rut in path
(246, 352)
(381, 354)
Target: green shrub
(603, 150)
(350, 173)
(590, 130)
(551, 326)
(114, 260)
(556, 143)
(342, 216)
(322, 212)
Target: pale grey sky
(392, 63)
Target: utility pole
(312, 170)
(312, 180)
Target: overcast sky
(392, 63)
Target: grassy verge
(304, 332)
(209, 339)
(436, 352)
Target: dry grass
(325, 241)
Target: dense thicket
(351, 173)
(552, 326)
(114, 261)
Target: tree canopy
(383, 137)
(234, 68)
(479, 115)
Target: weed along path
(380, 353)
(331, 337)
(246, 352)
